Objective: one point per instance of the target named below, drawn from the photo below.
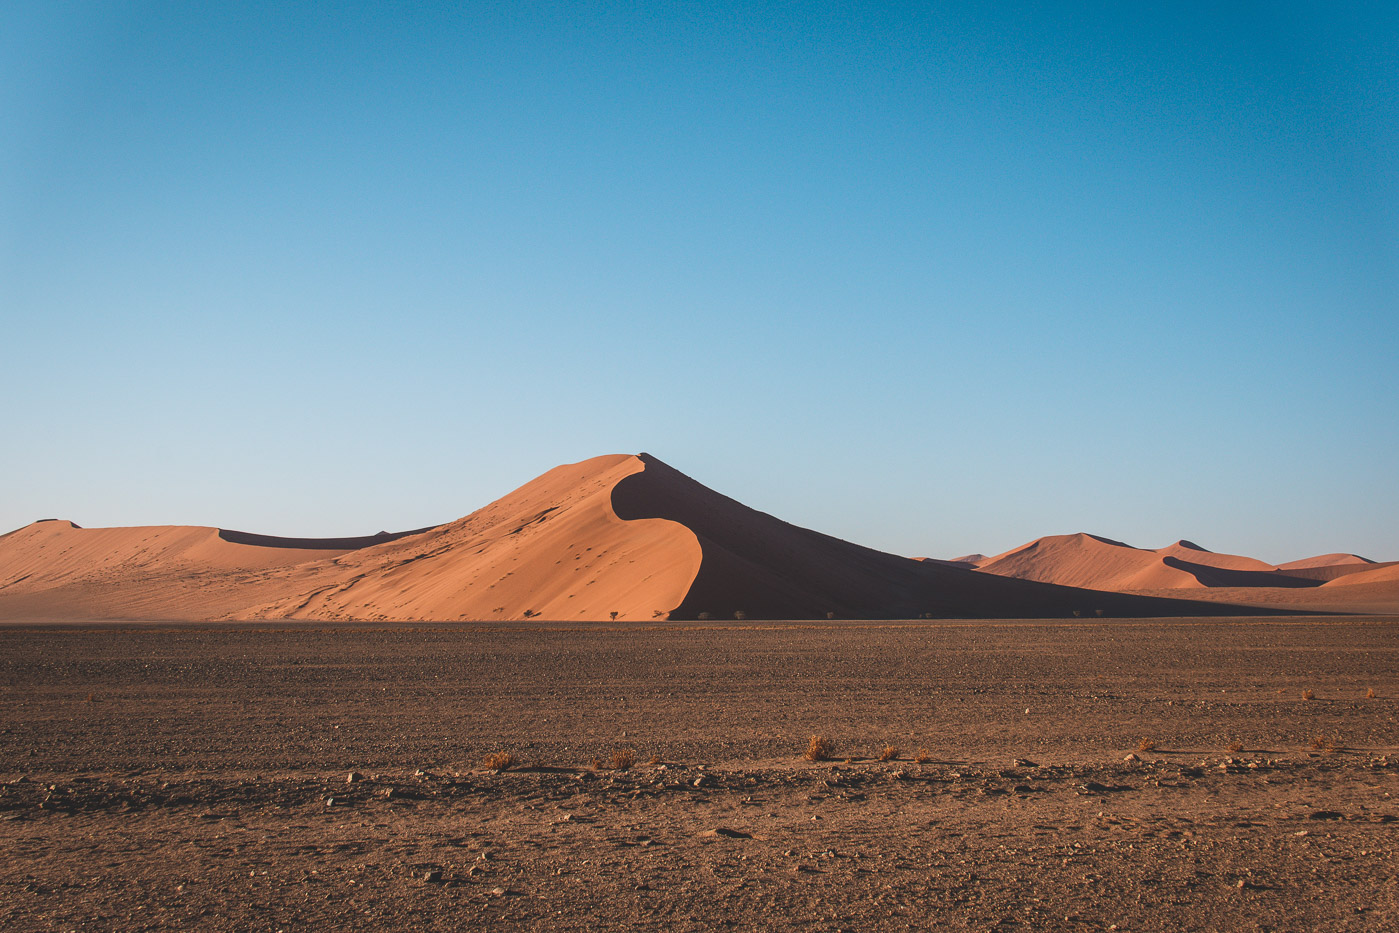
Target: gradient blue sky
(933, 281)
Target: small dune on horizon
(1101, 563)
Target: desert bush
(623, 759)
(498, 761)
(922, 756)
(595, 764)
(703, 617)
(1325, 743)
(1235, 747)
(613, 615)
(890, 753)
(1146, 745)
(1370, 694)
(740, 615)
(1308, 694)
(819, 748)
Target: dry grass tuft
(1324, 743)
(654, 760)
(1307, 694)
(1370, 694)
(819, 748)
(922, 756)
(1235, 747)
(595, 764)
(623, 759)
(1146, 745)
(498, 761)
(890, 753)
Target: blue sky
(933, 281)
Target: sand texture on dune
(553, 548)
(618, 534)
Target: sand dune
(1377, 574)
(1102, 563)
(623, 535)
(1326, 560)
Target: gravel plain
(1142, 775)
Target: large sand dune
(612, 537)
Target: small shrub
(1146, 745)
(1307, 694)
(595, 764)
(1324, 743)
(1370, 694)
(703, 617)
(498, 761)
(890, 753)
(1235, 747)
(830, 615)
(819, 748)
(658, 613)
(530, 613)
(654, 760)
(922, 756)
(623, 759)
(613, 614)
(740, 615)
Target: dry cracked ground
(313, 777)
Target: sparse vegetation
(1324, 743)
(498, 761)
(654, 760)
(530, 613)
(1235, 747)
(890, 753)
(613, 614)
(740, 615)
(595, 764)
(703, 617)
(1308, 694)
(623, 759)
(1370, 694)
(922, 756)
(1146, 745)
(819, 748)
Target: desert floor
(197, 777)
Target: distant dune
(618, 536)
(1326, 560)
(1102, 563)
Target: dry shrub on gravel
(1235, 747)
(1146, 745)
(498, 761)
(922, 756)
(623, 759)
(1307, 694)
(890, 753)
(819, 748)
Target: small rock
(701, 781)
(1025, 762)
(1131, 757)
(498, 892)
(432, 875)
(353, 777)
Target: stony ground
(199, 777)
